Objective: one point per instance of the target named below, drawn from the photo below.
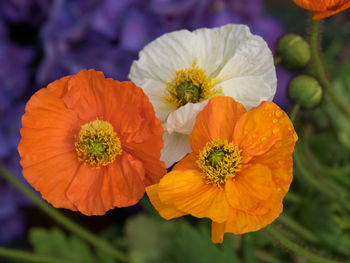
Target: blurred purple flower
(29, 11)
(11, 221)
(283, 78)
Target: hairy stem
(63, 220)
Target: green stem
(30, 257)
(298, 229)
(294, 112)
(264, 256)
(321, 73)
(63, 220)
(290, 245)
(248, 249)
(316, 181)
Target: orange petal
(47, 149)
(187, 163)
(216, 121)
(322, 15)
(188, 192)
(166, 211)
(129, 111)
(312, 5)
(251, 189)
(259, 129)
(53, 177)
(241, 222)
(217, 232)
(279, 158)
(95, 191)
(244, 222)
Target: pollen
(97, 144)
(219, 160)
(189, 85)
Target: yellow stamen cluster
(189, 85)
(219, 160)
(97, 144)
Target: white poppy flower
(180, 71)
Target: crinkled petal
(176, 146)
(250, 91)
(322, 15)
(188, 192)
(260, 129)
(165, 210)
(252, 59)
(187, 163)
(95, 191)
(47, 144)
(279, 158)
(155, 91)
(251, 190)
(242, 222)
(163, 56)
(183, 119)
(216, 121)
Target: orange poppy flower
(239, 171)
(323, 8)
(90, 143)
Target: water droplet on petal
(278, 145)
(263, 139)
(275, 130)
(278, 113)
(275, 121)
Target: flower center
(189, 85)
(219, 160)
(97, 144)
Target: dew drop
(278, 113)
(275, 121)
(275, 130)
(263, 139)
(278, 145)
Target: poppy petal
(95, 191)
(259, 129)
(250, 189)
(216, 121)
(166, 211)
(188, 192)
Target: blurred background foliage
(43, 40)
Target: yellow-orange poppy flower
(323, 8)
(239, 171)
(91, 143)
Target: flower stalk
(292, 246)
(23, 256)
(321, 73)
(63, 220)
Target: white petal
(155, 91)
(252, 58)
(215, 46)
(183, 119)
(163, 56)
(176, 146)
(250, 91)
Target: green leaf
(196, 246)
(55, 243)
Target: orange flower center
(219, 160)
(97, 144)
(189, 85)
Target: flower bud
(305, 91)
(293, 51)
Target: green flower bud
(305, 91)
(293, 51)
